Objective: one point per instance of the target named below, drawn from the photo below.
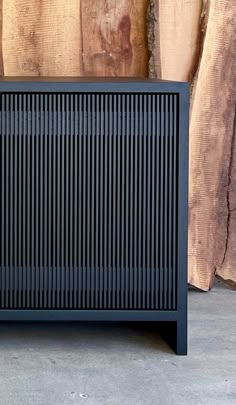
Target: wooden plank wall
(196, 41)
(191, 40)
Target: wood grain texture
(212, 151)
(114, 40)
(20, 42)
(1, 55)
(178, 32)
(195, 41)
(227, 271)
(41, 38)
(61, 32)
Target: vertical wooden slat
(62, 192)
(97, 212)
(166, 198)
(153, 136)
(122, 199)
(105, 201)
(80, 174)
(58, 137)
(3, 134)
(212, 227)
(140, 191)
(101, 218)
(88, 200)
(76, 206)
(45, 200)
(66, 197)
(16, 199)
(178, 37)
(118, 217)
(157, 129)
(130, 207)
(126, 136)
(135, 198)
(28, 185)
(175, 143)
(161, 200)
(71, 196)
(34, 31)
(49, 247)
(41, 212)
(143, 218)
(21, 24)
(114, 41)
(20, 200)
(92, 186)
(11, 158)
(148, 209)
(114, 202)
(171, 202)
(110, 139)
(1, 29)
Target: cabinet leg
(175, 334)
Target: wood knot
(124, 29)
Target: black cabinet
(93, 201)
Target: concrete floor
(117, 364)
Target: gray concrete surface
(117, 364)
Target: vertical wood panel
(178, 27)
(114, 37)
(21, 47)
(207, 59)
(41, 38)
(211, 154)
(1, 55)
(61, 32)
